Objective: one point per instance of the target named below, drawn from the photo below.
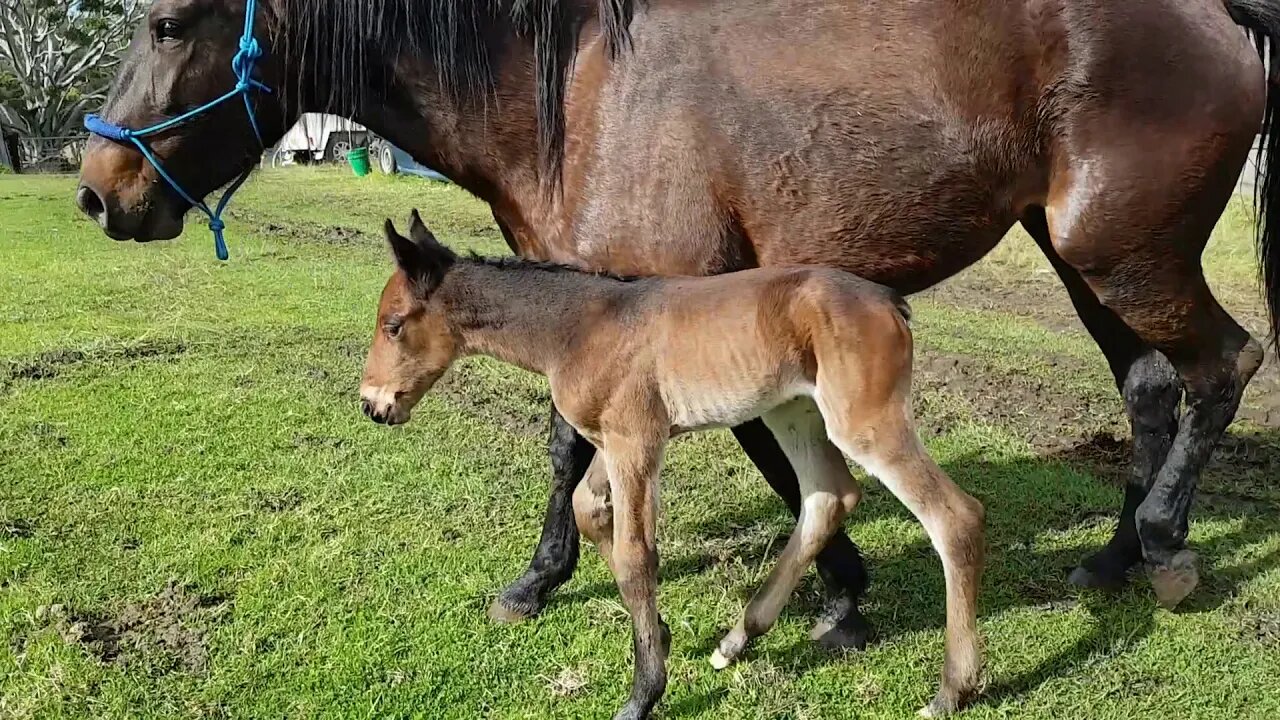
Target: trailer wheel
(387, 159)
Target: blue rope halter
(243, 65)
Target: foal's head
(413, 344)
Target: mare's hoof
(1098, 573)
(631, 712)
(1175, 581)
(512, 606)
(850, 632)
(719, 661)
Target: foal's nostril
(367, 408)
(91, 204)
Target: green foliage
(57, 58)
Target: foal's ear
(424, 263)
(418, 230)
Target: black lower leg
(556, 556)
(839, 564)
(1162, 518)
(1152, 393)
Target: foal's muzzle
(380, 410)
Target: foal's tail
(1261, 19)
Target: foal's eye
(394, 326)
(168, 30)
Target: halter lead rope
(242, 65)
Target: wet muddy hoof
(514, 605)
(1098, 573)
(850, 632)
(1175, 581)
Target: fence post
(5, 160)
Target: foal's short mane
(516, 263)
(333, 45)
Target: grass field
(195, 520)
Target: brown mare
(823, 357)
(896, 139)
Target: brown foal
(822, 356)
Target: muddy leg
(828, 494)
(633, 483)
(1162, 518)
(1151, 391)
(840, 564)
(557, 553)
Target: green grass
(170, 421)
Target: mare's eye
(394, 326)
(168, 30)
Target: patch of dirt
(1041, 298)
(518, 408)
(166, 631)
(317, 232)
(1044, 413)
(277, 500)
(17, 528)
(51, 364)
(1262, 627)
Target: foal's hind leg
(1151, 390)
(886, 445)
(828, 493)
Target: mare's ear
(425, 263)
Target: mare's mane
(333, 46)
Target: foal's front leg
(634, 464)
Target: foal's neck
(521, 313)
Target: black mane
(517, 263)
(351, 35)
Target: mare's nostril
(366, 408)
(90, 203)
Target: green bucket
(359, 159)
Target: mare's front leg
(634, 463)
(557, 553)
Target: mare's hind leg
(1138, 247)
(828, 493)
(1151, 391)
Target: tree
(57, 58)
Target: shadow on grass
(907, 593)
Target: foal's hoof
(939, 706)
(729, 649)
(1175, 581)
(850, 632)
(946, 702)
